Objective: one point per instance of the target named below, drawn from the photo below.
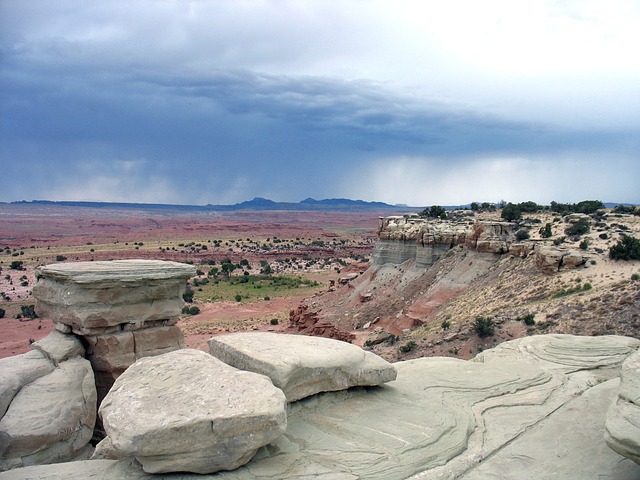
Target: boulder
(93, 296)
(534, 409)
(186, 411)
(50, 419)
(59, 347)
(18, 371)
(548, 259)
(573, 259)
(300, 365)
(622, 427)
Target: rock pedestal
(123, 309)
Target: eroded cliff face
(409, 237)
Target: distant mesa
(257, 203)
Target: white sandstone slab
(300, 365)
(187, 411)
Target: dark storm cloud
(203, 103)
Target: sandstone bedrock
(532, 408)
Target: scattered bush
(60, 258)
(511, 212)
(28, 311)
(584, 245)
(528, 319)
(17, 265)
(579, 228)
(522, 235)
(267, 298)
(626, 249)
(187, 296)
(484, 326)
(635, 277)
(407, 347)
(446, 325)
(274, 321)
(546, 232)
(2, 312)
(435, 211)
(238, 297)
(193, 310)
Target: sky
(406, 102)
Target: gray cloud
(213, 102)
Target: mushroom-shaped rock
(300, 365)
(187, 411)
(92, 296)
(622, 426)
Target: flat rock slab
(513, 417)
(51, 419)
(622, 431)
(300, 365)
(187, 411)
(89, 296)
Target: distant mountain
(258, 203)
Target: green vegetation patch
(253, 288)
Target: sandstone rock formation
(402, 238)
(530, 408)
(47, 404)
(623, 417)
(123, 309)
(551, 259)
(302, 366)
(187, 411)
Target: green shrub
(635, 277)
(546, 232)
(584, 245)
(407, 347)
(528, 319)
(60, 258)
(446, 325)
(626, 249)
(484, 326)
(2, 312)
(511, 212)
(579, 228)
(28, 311)
(238, 297)
(17, 265)
(274, 321)
(522, 235)
(187, 296)
(586, 286)
(193, 310)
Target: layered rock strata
(186, 411)
(124, 310)
(302, 366)
(530, 408)
(47, 404)
(622, 431)
(402, 238)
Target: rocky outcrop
(402, 238)
(124, 310)
(186, 411)
(47, 404)
(308, 322)
(531, 408)
(622, 431)
(550, 260)
(302, 366)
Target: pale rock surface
(59, 347)
(300, 365)
(50, 419)
(92, 296)
(622, 431)
(533, 409)
(18, 371)
(187, 411)
(548, 259)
